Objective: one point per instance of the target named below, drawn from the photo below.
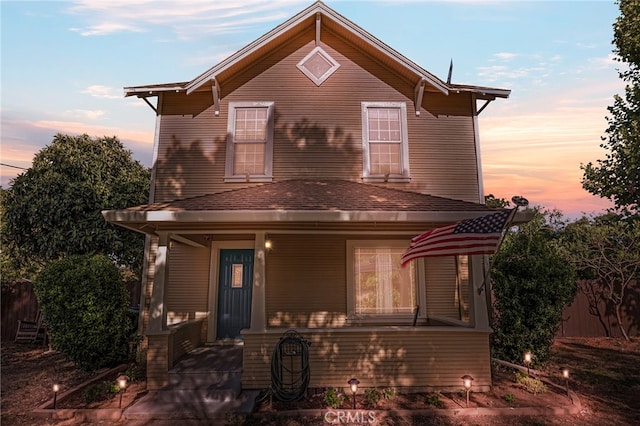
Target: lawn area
(605, 373)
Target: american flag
(472, 236)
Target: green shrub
(434, 400)
(333, 397)
(533, 280)
(388, 393)
(94, 392)
(84, 300)
(510, 398)
(531, 384)
(372, 396)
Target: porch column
(479, 314)
(158, 305)
(258, 305)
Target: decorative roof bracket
(144, 98)
(487, 102)
(419, 93)
(318, 25)
(215, 90)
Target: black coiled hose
(290, 373)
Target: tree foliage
(491, 201)
(532, 283)
(617, 177)
(54, 208)
(12, 269)
(85, 303)
(606, 252)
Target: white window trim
(367, 176)
(387, 319)
(318, 80)
(268, 155)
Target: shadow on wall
(199, 165)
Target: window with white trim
(385, 142)
(378, 285)
(249, 142)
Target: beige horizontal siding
(318, 129)
(402, 357)
(310, 291)
(185, 338)
(188, 288)
(151, 247)
(442, 289)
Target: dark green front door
(234, 294)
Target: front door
(234, 295)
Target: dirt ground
(605, 374)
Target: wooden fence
(580, 319)
(19, 302)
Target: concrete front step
(205, 380)
(189, 404)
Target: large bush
(85, 304)
(533, 280)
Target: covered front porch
(301, 276)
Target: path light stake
(527, 360)
(467, 382)
(565, 374)
(122, 384)
(354, 388)
(56, 388)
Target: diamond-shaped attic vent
(318, 65)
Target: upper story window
(249, 142)
(385, 142)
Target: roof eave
(153, 90)
(123, 217)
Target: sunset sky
(65, 63)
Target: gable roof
(323, 18)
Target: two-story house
(287, 182)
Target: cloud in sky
(100, 91)
(22, 139)
(187, 18)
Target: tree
(85, 303)
(617, 177)
(499, 203)
(54, 208)
(12, 269)
(606, 252)
(532, 282)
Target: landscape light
(467, 381)
(56, 388)
(565, 375)
(527, 360)
(354, 388)
(122, 384)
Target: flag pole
(519, 202)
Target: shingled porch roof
(327, 201)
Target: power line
(15, 167)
